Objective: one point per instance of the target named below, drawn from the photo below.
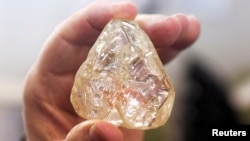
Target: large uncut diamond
(123, 80)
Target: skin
(48, 113)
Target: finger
(132, 134)
(190, 31)
(162, 30)
(170, 35)
(93, 18)
(94, 130)
(70, 42)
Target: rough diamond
(123, 81)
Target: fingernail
(124, 9)
(96, 135)
(192, 17)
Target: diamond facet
(123, 80)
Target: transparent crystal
(123, 80)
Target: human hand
(48, 113)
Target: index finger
(69, 44)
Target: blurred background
(212, 78)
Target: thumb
(94, 130)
